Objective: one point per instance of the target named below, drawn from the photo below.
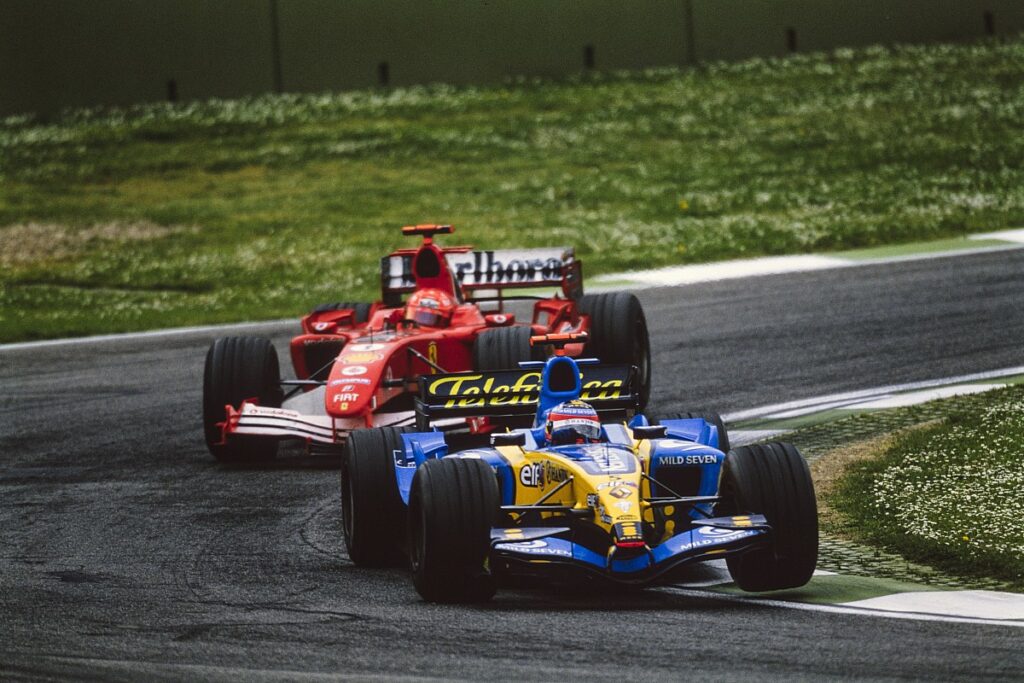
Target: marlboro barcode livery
(443, 310)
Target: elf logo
(540, 474)
(531, 475)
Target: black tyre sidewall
(502, 348)
(452, 507)
(239, 368)
(373, 514)
(618, 334)
(774, 480)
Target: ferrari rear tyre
(618, 333)
(501, 348)
(713, 418)
(372, 512)
(452, 508)
(773, 480)
(360, 311)
(239, 368)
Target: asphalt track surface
(127, 553)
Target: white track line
(727, 270)
(772, 265)
(1005, 235)
(778, 265)
(152, 334)
(975, 604)
(862, 395)
(889, 400)
(841, 609)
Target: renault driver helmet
(572, 422)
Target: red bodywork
(372, 380)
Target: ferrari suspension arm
(298, 384)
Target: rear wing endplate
(608, 388)
(499, 269)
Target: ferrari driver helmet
(572, 422)
(430, 308)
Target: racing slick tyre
(452, 507)
(372, 512)
(501, 348)
(239, 368)
(360, 311)
(618, 333)
(713, 418)
(773, 480)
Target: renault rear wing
(611, 389)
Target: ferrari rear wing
(492, 270)
(515, 393)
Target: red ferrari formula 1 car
(443, 309)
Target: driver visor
(429, 318)
(588, 429)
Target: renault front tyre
(452, 508)
(774, 480)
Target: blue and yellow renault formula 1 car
(620, 500)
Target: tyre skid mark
(304, 531)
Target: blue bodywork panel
(423, 446)
(693, 429)
(549, 398)
(687, 545)
(600, 458)
(417, 449)
(690, 443)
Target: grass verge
(943, 490)
(265, 206)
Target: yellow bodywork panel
(612, 493)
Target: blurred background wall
(61, 53)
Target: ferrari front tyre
(372, 512)
(239, 368)
(713, 418)
(774, 480)
(618, 334)
(360, 311)
(502, 348)
(452, 508)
